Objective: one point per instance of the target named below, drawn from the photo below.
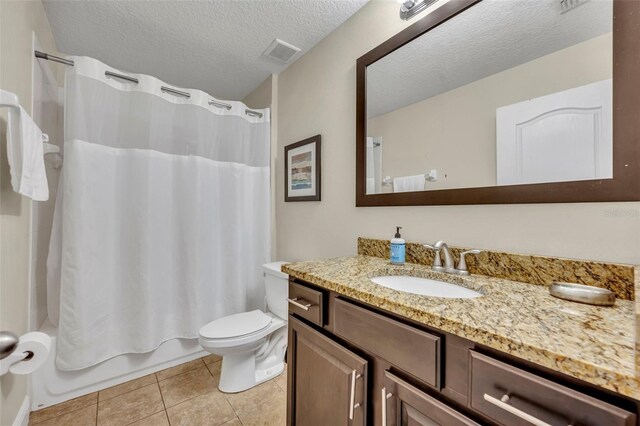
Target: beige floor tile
(211, 409)
(126, 387)
(209, 359)
(187, 385)
(214, 369)
(158, 419)
(281, 381)
(179, 369)
(82, 417)
(234, 422)
(268, 412)
(63, 408)
(244, 401)
(130, 407)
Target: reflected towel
(371, 186)
(26, 157)
(408, 183)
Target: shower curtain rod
(171, 90)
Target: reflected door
(565, 136)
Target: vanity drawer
(410, 349)
(306, 303)
(534, 400)
(405, 404)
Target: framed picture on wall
(302, 170)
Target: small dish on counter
(582, 293)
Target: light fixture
(410, 8)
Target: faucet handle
(462, 265)
(437, 262)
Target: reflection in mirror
(505, 93)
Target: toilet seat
(237, 325)
(242, 342)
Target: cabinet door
(326, 382)
(405, 405)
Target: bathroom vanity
(363, 354)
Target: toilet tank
(276, 284)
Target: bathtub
(49, 386)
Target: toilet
(252, 344)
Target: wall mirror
(492, 102)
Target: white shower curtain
(162, 215)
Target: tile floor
(186, 394)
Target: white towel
(408, 183)
(26, 157)
(371, 186)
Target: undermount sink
(426, 287)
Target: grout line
(179, 374)
(146, 417)
(64, 413)
(157, 382)
(124, 393)
(209, 370)
(161, 396)
(232, 407)
(188, 399)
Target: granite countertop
(594, 344)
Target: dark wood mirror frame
(625, 185)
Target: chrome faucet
(449, 268)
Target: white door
(565, 136)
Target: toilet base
(242, 371)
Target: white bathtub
(49, 386)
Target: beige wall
(457, 134)
(317, 95)
(266, 96)
(17, 21)
(261, 96)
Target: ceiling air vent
(281, 51)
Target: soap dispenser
(397, 248)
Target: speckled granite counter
(594, 344)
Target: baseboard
(22, 418)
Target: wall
(261, 95)
(266, 96)
(316, 94)
(17, 21)
(467, 154)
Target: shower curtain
(162, 215)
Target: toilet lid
(236, 325)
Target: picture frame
(302, 173)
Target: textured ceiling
(213, 45)
(490, 37)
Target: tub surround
(594, 344)
(540, 270)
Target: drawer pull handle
(295, 302)
(352, 395)
(385, 396)
(502, 403)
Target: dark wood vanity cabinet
(353, 364)
(327, 383)
(405, 404)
